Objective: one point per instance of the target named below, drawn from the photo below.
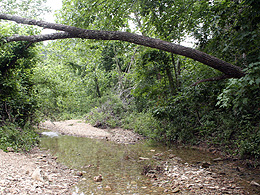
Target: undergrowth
(234, 136)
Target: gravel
(35, 172)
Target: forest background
(164, 96)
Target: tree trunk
(97, 87)
(176, 71)
(170, 78)
(228, 69)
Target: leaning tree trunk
(229, 70)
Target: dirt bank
(79, 128)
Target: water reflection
(119, 165)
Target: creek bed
(122, 165)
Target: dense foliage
(18, 102)
(118, 84)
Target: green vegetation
(18, 99)
(118, 84)
(19, 139)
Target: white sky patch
(49, 17)
(189, 41)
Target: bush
(17, 138)
(143, 123)
(108, 114)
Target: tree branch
(74, 32)
(212, 79)
(39, 38)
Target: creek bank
(35, 172)
(249, 163)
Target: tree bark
(73, 32)
(176, 71)
(170, 78)
(97, 87)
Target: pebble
(98, 178)
(10, 149)
(176, 190)
(36, 175)
(79, 173)
(253, 183)
(206, 164)
(143, 158)
(107, 188)
(217, 159)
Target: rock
(97, 124)
(143, 158)
(217, 159)
(79, 173)
(50, 134)
(176, 190)
(10, 149)
(54, 157)
(205, 164)
(107, 188)
(171, 156)
(151, 175)
(152, 171)
(126, 157)
(157, 158)
(178, 159)
(146, 169)
(36, 175)
(98, 178)
(253, 183)
(159, 169)
(159, 154)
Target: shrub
(17, 138)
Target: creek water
(121, 167)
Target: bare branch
(74, 32)
(212, 79)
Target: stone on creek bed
(50, 134)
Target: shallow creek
(121, 165)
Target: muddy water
(121, 167)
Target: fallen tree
(228, 70)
